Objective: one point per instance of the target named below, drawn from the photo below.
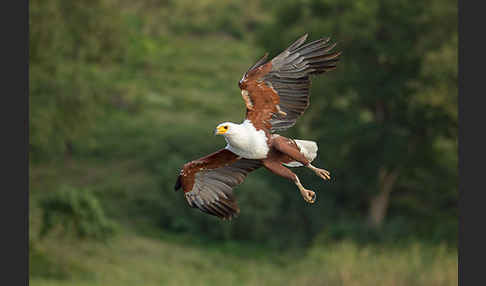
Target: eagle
(275, 93)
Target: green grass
(131, 259)
(141, 254)
(175, 83)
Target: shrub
(75, 211)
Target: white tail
(308, 148)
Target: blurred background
(123, 93)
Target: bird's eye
(225, 128)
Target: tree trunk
(68, 151)
(379, 203)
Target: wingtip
(230, 217)
(302, 38)
(297, 43)
(178, 184)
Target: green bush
(77, 212)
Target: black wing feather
(290, 76)
(212, 191)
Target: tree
(388, 114)
(67, 42)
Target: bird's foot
(280, 112)
(324, 174)
(308, 195)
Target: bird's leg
(278, 169)
(324, 174)
(308, 195)
(283, 145)
(286, 146)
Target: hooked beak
(220, 130)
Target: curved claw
(313, 199)
(324, 174)
(309, 196)
(281, 113)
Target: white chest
(248, 142)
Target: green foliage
(235, 19)
(78, 212)
(133, 260)
(71, 44)
(88, 31)
(390, 105)
(123, 93)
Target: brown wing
(277, 92)
(208, 182)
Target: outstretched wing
(276, 93)
(208, 182)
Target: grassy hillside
(123, 93)
(131, 259)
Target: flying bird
(275, 93)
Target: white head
(226, 128)
(243, 139)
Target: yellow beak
(220, 130)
